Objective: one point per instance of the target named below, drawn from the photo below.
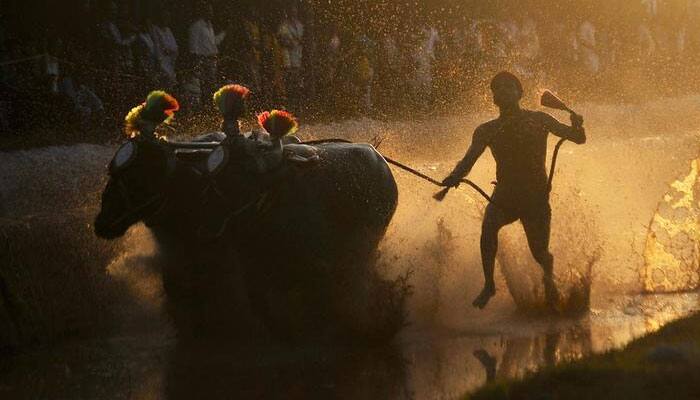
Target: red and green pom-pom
(230, 100)
(278, 123)
(159, 107)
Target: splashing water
(671, 252)
(605, 194)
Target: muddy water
(605, 195)
(422, 364)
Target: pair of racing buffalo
(254, 230)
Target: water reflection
(450, 367)
(206, 371)
(420, 365)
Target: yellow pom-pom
(131, 122)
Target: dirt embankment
(52, 267)
(663, 365)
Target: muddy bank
(662, 365)
(53, 281)
(52, 268)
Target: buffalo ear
(125, 155)
(217, 160)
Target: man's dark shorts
(533, 212)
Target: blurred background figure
(166, 49)
(204, 48)
(332, 60)
(291, 36)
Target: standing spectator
(5, 97)
(117, 41)
(166, 49)
(424, 57)
(190, 91)
(692, 44)
(204, 48)
(272, 84)
(52, 67)
(651, 7)
(252, 57)
(587, 50)
(145, 54)
(115, 55)
(529, 47)
(386, 71)
(291, 36)
(243, 51)
(86, 107)
(647, 41)
(311, 60)
(365, 73)
(86, 104)
(329, 57)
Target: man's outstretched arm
(476, 149)
(575, 133)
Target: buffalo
(289, 248)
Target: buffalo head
(138, 180)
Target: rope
(408, 169)
(438, 196)
(435, 182)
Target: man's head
(507, 89)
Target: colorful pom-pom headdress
(278, 123)
(230, 100)
(144, 119)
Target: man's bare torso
(519, 146)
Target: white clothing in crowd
(85, 101)
(167, 51)
(202, 40)
(431, 37)
(651, 7)
(424, 58)
(529, 40)
(509, 33)
(391, 51)
(586, 41)
(527, 48)
(116, 36)
(148, 57)
(291, 34)
(125, 57)
(647, 44)
(53, 72)
(473, 36)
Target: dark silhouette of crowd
(79, 65)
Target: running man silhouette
(518, 141)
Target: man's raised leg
(494, 220)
